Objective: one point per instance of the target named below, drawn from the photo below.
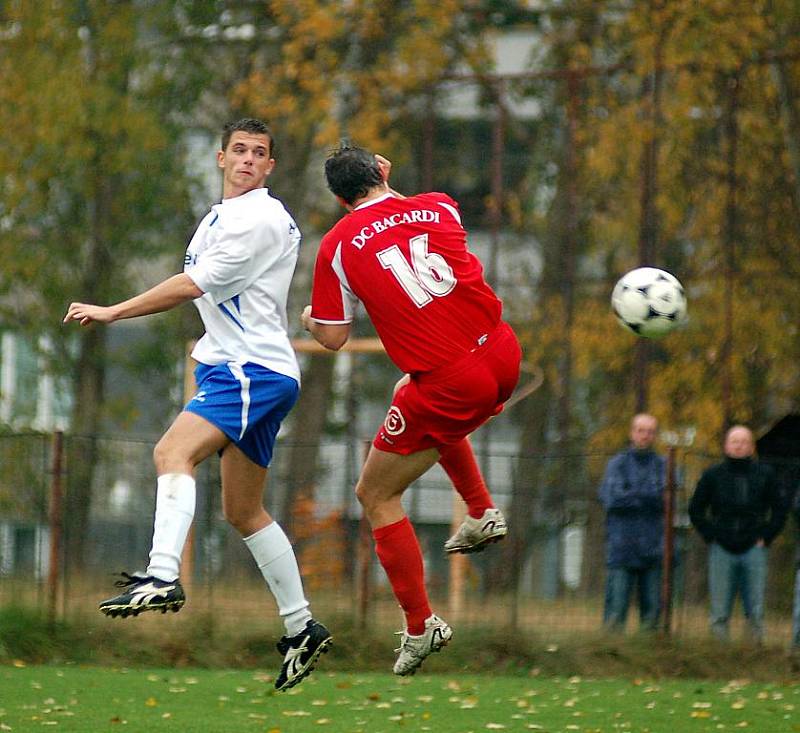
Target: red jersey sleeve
(332, 301)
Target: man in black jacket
(738, 509)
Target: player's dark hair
(351, 172)
(246, 124)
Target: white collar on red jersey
(382, 197)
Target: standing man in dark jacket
(632, 493)
(737, 508)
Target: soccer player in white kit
(237, 270)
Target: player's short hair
(246, 124)
(351, 172)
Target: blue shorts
(247, 402)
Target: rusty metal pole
(495, 225)
(189, 388)
(458, 564)
(669, 538)
(56, 516)
(365, 562)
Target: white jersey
(242, 257)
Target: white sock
(175, 500)
(275, 558)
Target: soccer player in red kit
(406, 260)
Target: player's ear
(220, 158)
(344, 203)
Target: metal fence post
(55, 519)
(669, 538)
(189, 388)
(365, 561)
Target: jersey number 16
(426, 276)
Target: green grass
(198, 641)
(96, 699)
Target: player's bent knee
(369, 497)
(160, 457)
(243, 522)
(361, 493)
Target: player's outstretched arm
(166, 295)
(331, 336)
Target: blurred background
(581, 138)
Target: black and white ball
(650, 302)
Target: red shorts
(441, 407)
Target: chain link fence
(73, 513)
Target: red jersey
(407, 261)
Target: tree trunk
(649, 219)
(308, 424)
(730, 89)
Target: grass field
(95, 699)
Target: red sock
(459, 463)
(398, 550)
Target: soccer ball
(650, 302)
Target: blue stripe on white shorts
(247, 402)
